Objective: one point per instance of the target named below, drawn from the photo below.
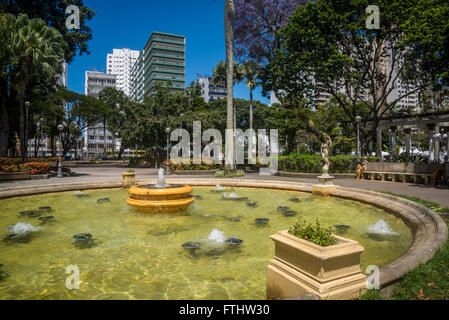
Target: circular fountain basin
(141, 256)
(153, 199)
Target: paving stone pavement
(436, 194)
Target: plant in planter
(310, 259)
(313, 233)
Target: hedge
(18, 161)
(31, 167)
(314, 163)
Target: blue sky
(129, 24)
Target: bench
(418, 173)
(418, 178)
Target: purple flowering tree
(257, 26)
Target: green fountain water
(136, 256)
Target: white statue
(325, 154)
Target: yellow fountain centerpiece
(161, 197)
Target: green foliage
(53, 12)
(371, 295)
(314, 233)
(203, 166)
(403, 157)
(314, 163)
(17, 161)
(327, 42)
(230, 173)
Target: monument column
(393, 141)
(437, 143)
(408, 141)
(431, 127)
(379, 144)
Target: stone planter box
(301, 267)
(5, 176)
(129, 179)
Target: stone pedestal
(301, 267)
(129, 179)
(326, 186)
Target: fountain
(161, 197)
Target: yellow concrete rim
(165, 203)
(159, 192)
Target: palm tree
(250, 72)
(229, 17)
(36, 48)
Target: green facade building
(162, 60)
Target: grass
(429, 204)
(428, 281)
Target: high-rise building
(211, 92)
(120, 63)
(161, 60)
(97, 81)
(95, 136)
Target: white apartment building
(210, 92)
(94, 138)
(120, 63)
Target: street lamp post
(60, 127)
(358, 119)
(182, 116)
(42, 135)
(167, 165)
(116, 137)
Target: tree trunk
(120, 152)
(229, 41)
(53, 146)
(4, 120)
(250, 122)
(251, 108)
(22, 114)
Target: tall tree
(250, 72)
(35, 47)
(327, 45)
(229, 18)
(257, 27)
(53, 12)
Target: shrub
(313, 233)
(314, 163)
(36, 167)
(229, 174)
(10, 168)
(18, 161)
(205, 165)
(31, 167)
